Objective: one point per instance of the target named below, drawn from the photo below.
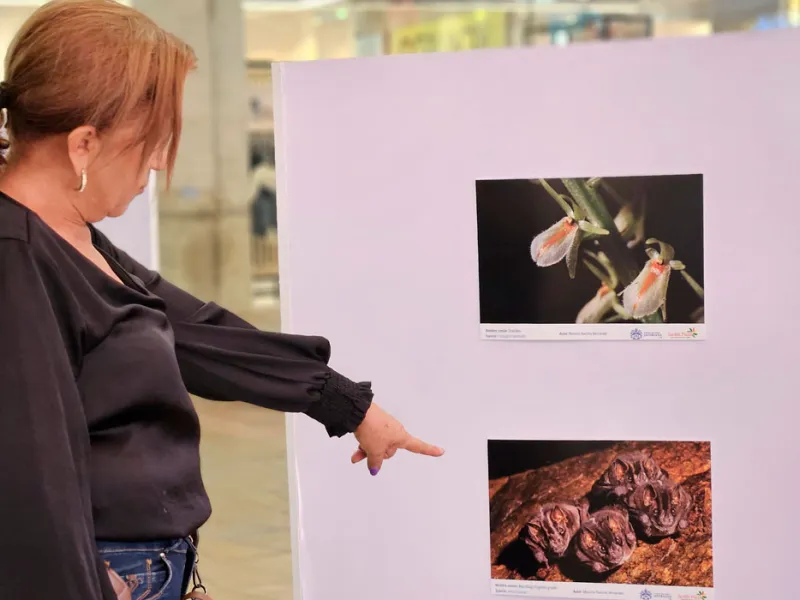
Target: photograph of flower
(597, 257)
(600, 513)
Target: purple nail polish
(373, 471)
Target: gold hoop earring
(84, 181)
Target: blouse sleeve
(47, 547)
(222, 357)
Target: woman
(99, 441)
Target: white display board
(136, 232)
(378, 161)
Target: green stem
(604, 279)
(594, 182)
(589, 200)
(557, 197)
(595, 207)
(617, 251)
(698, 289)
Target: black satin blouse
(99, 438)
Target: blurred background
(217, 224)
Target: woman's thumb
(374, 463)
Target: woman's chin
(119, 210)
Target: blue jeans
(158, 570)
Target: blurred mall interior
(217, 224)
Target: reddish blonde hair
(99, 63)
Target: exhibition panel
(515, 186)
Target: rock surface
(684, 560)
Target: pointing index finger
(417, 446)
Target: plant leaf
(593, 229)
(665, 251)
(677, 265)
(577, 212)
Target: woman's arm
(222, 357)
(47, 547)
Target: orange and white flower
(562, 240)
(605, 300)
(554, 243)
(647, 294)
(598, 307)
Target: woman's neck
(43, 192)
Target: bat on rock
(626, 473)
(606, 540)
(550, 530)
(659, 508)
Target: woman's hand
(380, 436)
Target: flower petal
(648, 291)
(597, 308)
(552, 245)
(624, 220)
(572, 254)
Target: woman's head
(95, 87)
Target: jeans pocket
(161, 580)
(150, 576)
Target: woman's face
(117, 173)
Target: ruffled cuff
(343, 404)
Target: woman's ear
(83, 146)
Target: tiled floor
(245, 548)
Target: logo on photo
(636, 334)
(648, 595)
(689, 333)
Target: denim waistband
(178, 545)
